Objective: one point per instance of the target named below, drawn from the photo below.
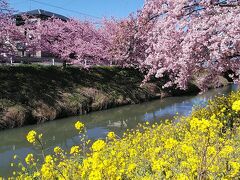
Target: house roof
(42, 13)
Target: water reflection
(62, 132)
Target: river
(62, 132)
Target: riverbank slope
(33, 94)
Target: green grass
(68, 91)
(33, 93)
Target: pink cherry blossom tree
(180, 39)
(127, 48)
(189, 37)
(9, 32)
(75, 41)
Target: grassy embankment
(32, 94)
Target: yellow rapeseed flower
(111, 135)
(29, 158)
(79, 126)
(236, 106)
(199, 146)
(31, 136)
(48, 159)
(98, 145)
(131, 167)
(57, 150)
(75, 150)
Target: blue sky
(94, 8)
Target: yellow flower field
(204, 145)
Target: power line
(77, 12)
(30, 5)
(67, 3)
(17, 2)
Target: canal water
(62, 132)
